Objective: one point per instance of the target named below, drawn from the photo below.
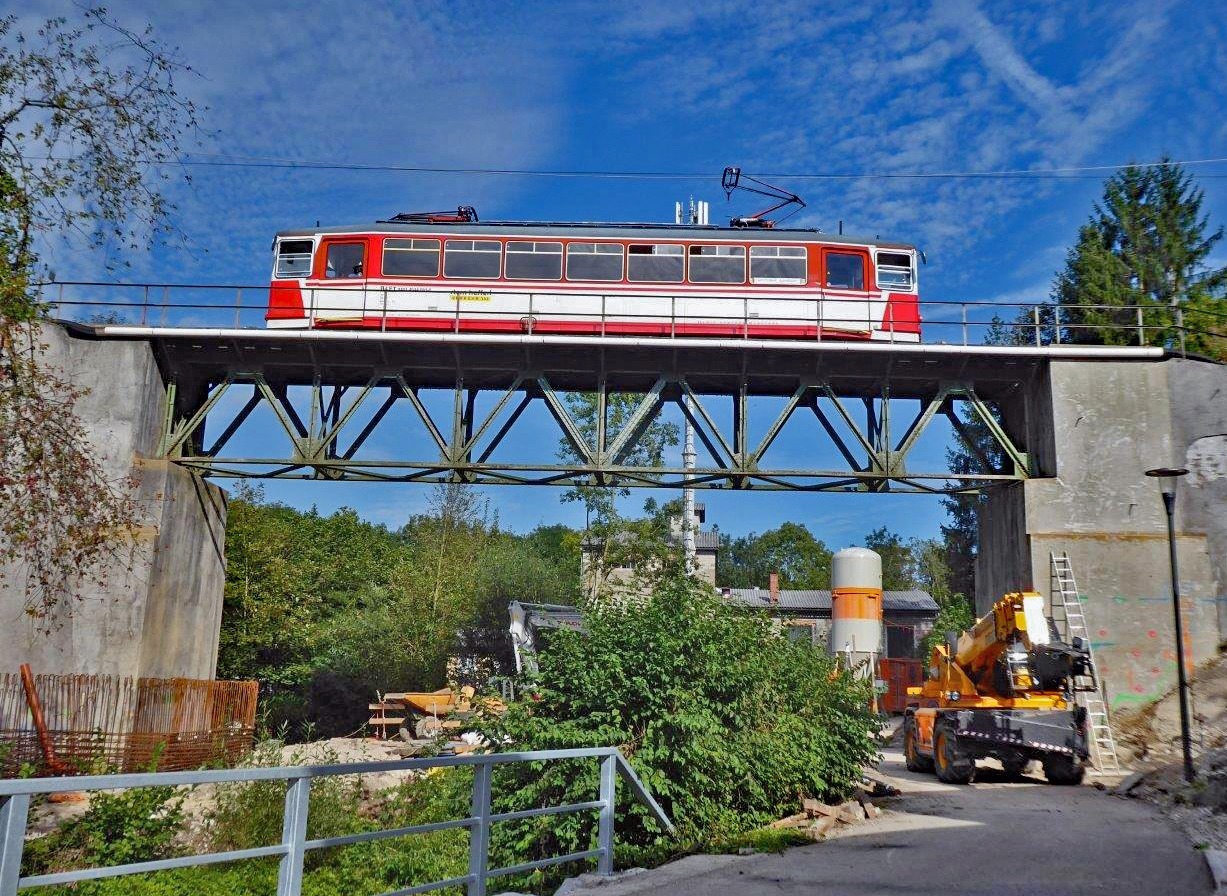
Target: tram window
(894, 270)
(845, 270)
(778, 264)
(534, 261)
(655, 263)
(411, 258)
(344, 260)
(480, 259)
(294, 258)
(717, 264)
(594, 261)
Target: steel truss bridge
(333, 394)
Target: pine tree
(1141, 257)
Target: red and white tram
(444, 273)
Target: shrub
(136, 825)
(727, 722)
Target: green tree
(727, 721)
(87, 114)
(1146, 246)
(803, 561)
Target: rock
(1125, 787)
(820, 828)
(871, 811)
(584, 882)
(1217, 860)
(851, 812)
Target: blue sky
(781, 87)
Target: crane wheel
(912, 757)
(1063, 770)
(952, 764)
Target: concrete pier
(1093, 431)
(161, 617)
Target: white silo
(856, 608)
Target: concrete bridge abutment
(158, 613)
(1093, 429)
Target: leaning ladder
(1067, 614)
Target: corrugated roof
(915, 601)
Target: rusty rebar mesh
(112, 723)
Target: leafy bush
(136, 825)
(727, 721)
(251, 813)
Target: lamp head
(1167, 477)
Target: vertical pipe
(688, 521)
(1141, 327)
(293, 834)
(1035, 314)
(145, 307)
(605, 824)
(14, 812)
(479, 832)
(1169, 504)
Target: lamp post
(1167, 484)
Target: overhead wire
(226, 160)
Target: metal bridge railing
(15, 797)
(943, 322)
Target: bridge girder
(326, 427)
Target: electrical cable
(225, 160)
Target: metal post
(1035, 313)
(1169, 504)
(1056, 327)
(14, 811)
(605, 824)
(1180, 328)
(293, 834)
(238, 307)
(145, 308)
(1141, 327)
(479, 833)
(964, 307)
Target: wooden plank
(388, 721)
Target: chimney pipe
(775, 588)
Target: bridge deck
(760, 367)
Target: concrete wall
(1108, 423)
(161, 616)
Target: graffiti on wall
(1133, 642)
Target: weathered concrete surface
(986, 838)
(161, 617)
(1103, 426)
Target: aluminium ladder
(1067, 614)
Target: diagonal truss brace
(875, 461)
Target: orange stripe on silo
(856, 603)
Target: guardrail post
(14, 811)
(293, 834)
(145, 308)
(1035, 313)
(1180, 328)
(605, 824)
(1056, 326)
(479, 833)
(238, 308)
(964, 307)
(1141, 327)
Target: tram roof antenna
(732, 180)
(464, 214)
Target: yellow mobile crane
(1004, 689)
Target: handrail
(15, 797)
(950, 322)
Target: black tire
(1063, 770)
(953, 765)
(912, 757)
(1014, 768)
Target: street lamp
(1167, 484)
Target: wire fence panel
(98, 723)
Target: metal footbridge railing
(16, 795)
